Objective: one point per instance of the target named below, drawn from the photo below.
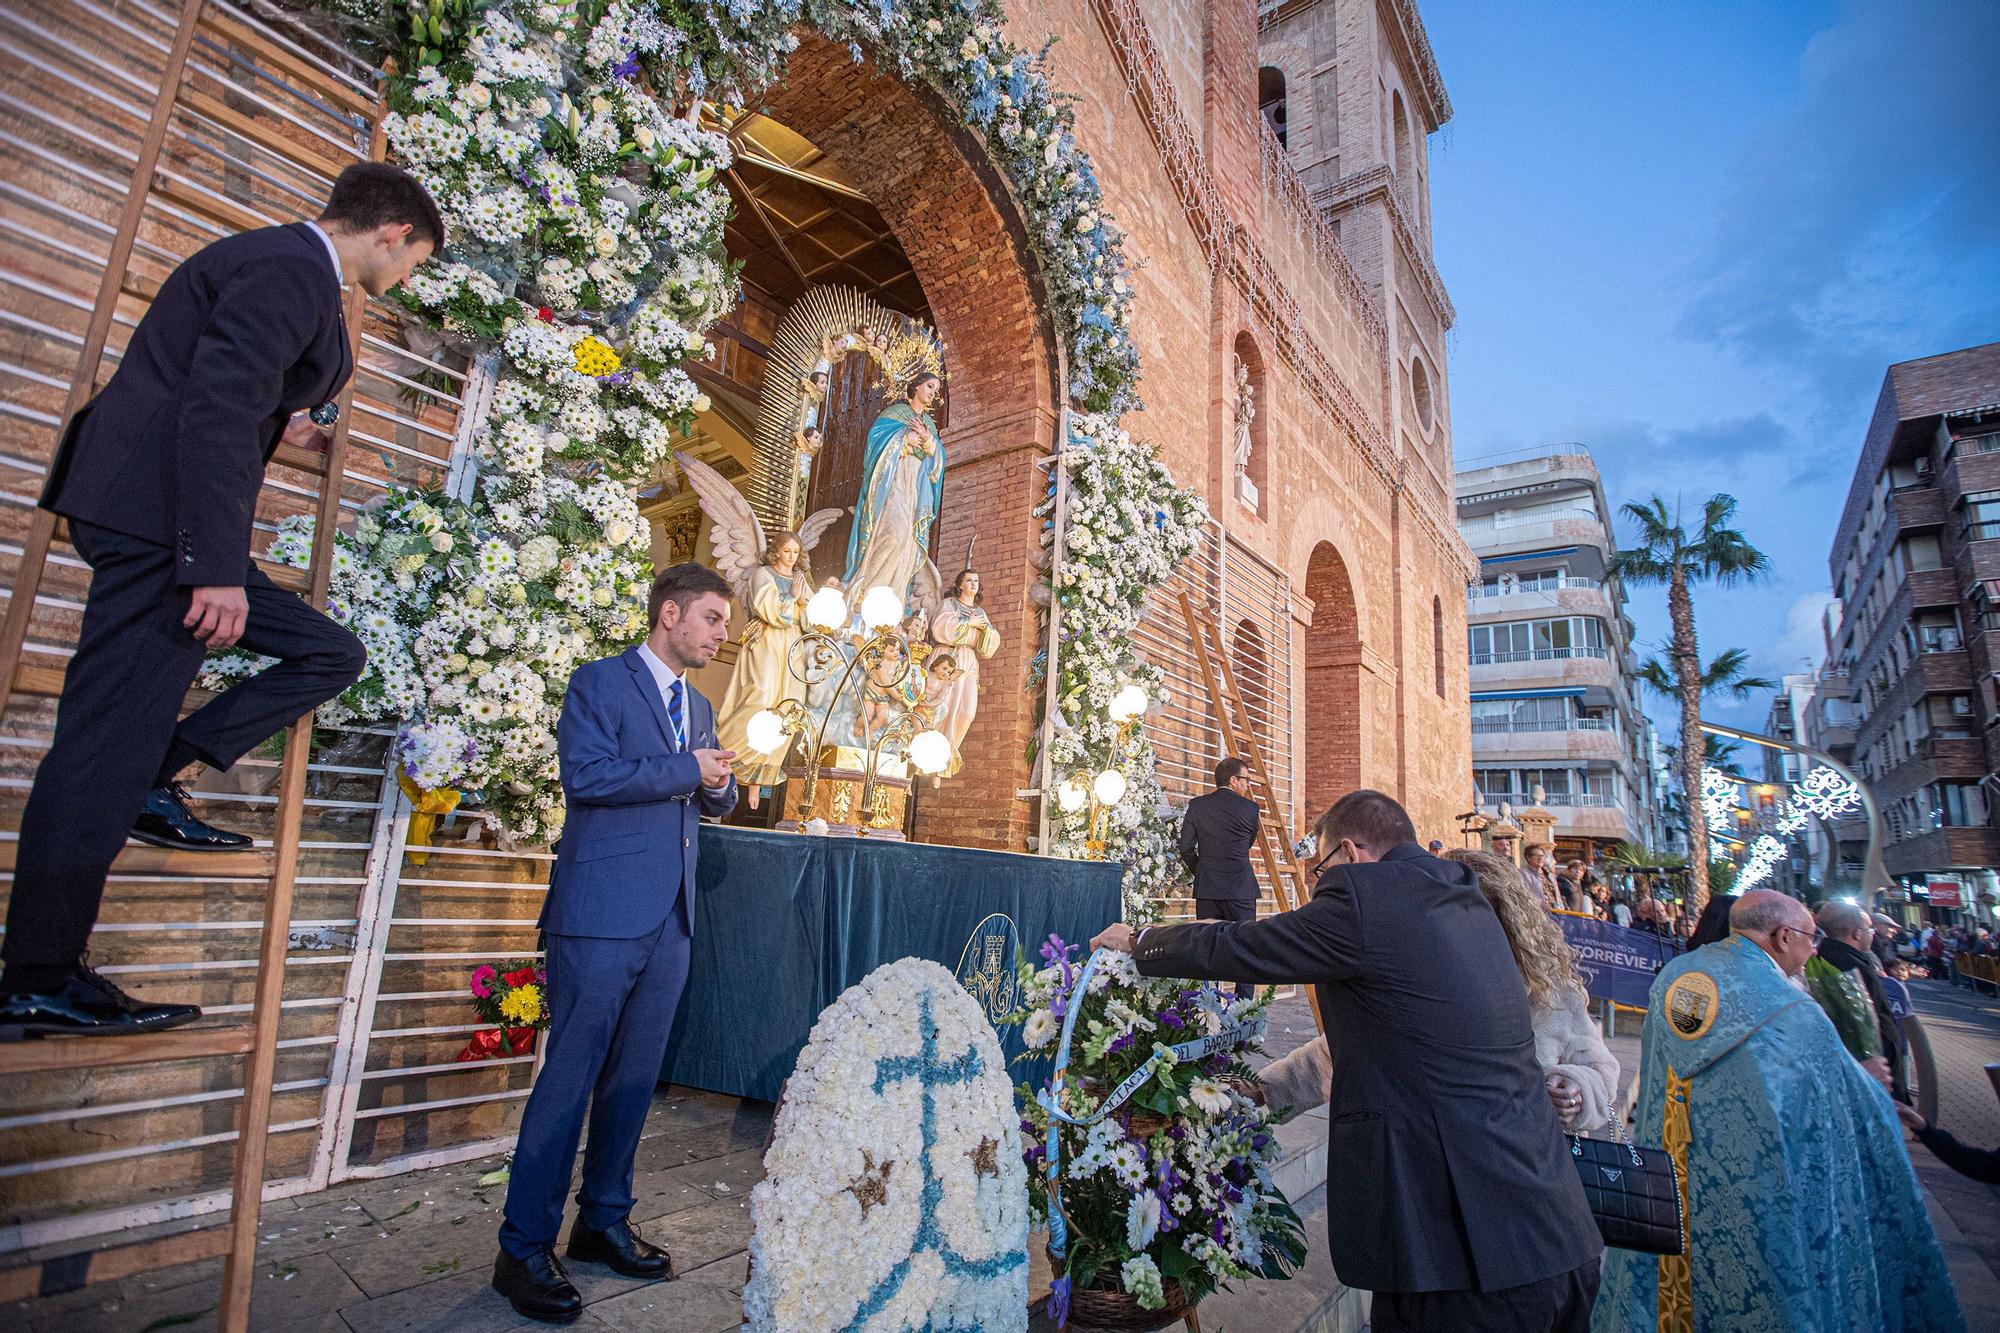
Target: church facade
(1268, 165)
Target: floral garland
(1127, 526)
(585, 261)
(895, 1192)
(1176, 1185)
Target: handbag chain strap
(1617, 1136)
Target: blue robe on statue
(1803, 1211)
(879, 462)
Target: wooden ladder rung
(56, 1053)
(71, 1271)
(260, 132)
(243, 36)
(44, 682)
(213, 207)
(137, 858)
(304, 460)
(289, 577)
(138, 285)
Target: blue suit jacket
(629, 844)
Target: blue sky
(1694, 236)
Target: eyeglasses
(1818, 935)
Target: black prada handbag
(1633, 1193)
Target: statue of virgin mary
(902, 484)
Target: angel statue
(964, 635)
(902, 485)
(773, 579)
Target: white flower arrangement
(895, 1195)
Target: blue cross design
(932, 1072)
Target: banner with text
(1617, 962)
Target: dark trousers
(1559, 1304)
(116, 724)
(1229, 909)
(612, 1005)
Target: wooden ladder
(215, 26)
(1274, 840)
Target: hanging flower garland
(585, 262)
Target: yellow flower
(523, 1005)
(595, 358)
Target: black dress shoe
(537, 1286)
(86, 1006)
(167, 822)
(620, 1248)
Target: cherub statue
(773, 580)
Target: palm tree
(1670, 555)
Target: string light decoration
(1825, 794)
(1718, 796)
(1765, 853)
(1794, 820)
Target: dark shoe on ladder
(86, 1005)
(166, 821)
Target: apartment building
(1554, 701)
(1916, 567)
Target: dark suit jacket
(634, 804)
(1447, 1169)
(1216, 833)
(243, 334)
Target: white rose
(539, 107)
(605, 243)
(701, 402)
(476, 94)
(933, 27)
(969, 48)
(440, 542)
(599, 106)
(643, 136)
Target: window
(1980, 515)
(1516, 715)
(1271, 101)
(1952, 805)
(1437, 643)
(1420, 394)
(1537, 640)
(1937, 631)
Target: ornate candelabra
(1107, 788)
(814, 660)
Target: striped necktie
(676, 717)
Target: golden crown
(914, 349)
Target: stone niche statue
(772, 577)
(1244, 444)
(963, 636)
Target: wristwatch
(325, 414)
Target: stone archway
(957, 221)
(1333, 683)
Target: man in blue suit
(639, 768)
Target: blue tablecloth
(785, 922)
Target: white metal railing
(1537, 655)
(1486, 728)
(1479, 591)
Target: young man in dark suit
(245, 345)
(640, 767)
(1216, 833)
(1454, 1198)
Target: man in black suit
(1452, 1194)
(1216, 833)
(158, 476)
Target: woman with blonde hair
(1578, 1070)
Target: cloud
(1638, 459)
(1802, 644)
(1862, 218)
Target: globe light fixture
(827, 610)
(881, 607)
(930, 752)
(766, 731)
(1109, 787)
(1127, 704)
(1071, 795)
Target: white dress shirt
(331, 253)
(665, 678)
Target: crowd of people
(1774, 1050)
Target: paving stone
(673, 1307)
(416, 1256)
(733, 1272)
(697, 1237)
(463, 1303)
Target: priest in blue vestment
(1803, 1212)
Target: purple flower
(1169, 1018)
(1258, 1141)
(1058, 1307)
(627, 68)
(1177, 1131)
(1118, 1043)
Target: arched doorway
(869, 182)
(1333, 683)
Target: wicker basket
(1119, 1311)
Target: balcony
(1571, 595)
(1542, 668)
(1569, 739)
(1507, 533)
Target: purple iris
(1058, 1307)
(1171, 1019)
(1118, 1043)
(627, 68)
(1176, 1131)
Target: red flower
(482, 980)
(544, 314)
(520, 978)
